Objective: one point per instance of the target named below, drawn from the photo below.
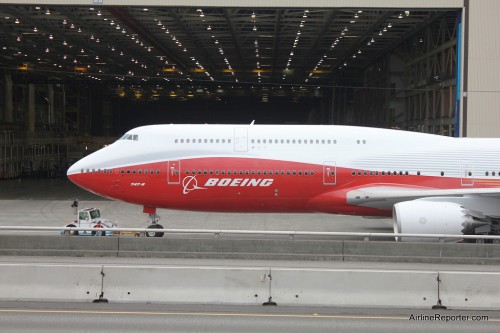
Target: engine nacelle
(428, 217)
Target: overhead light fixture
(389, 25)
(400, 16)
(47, 12)
(16, 21)
(35, 29)
(51, 37)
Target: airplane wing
(384, 197)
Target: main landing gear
(154, 219)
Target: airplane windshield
(131, 137)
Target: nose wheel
(154, 218)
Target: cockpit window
(131, 137)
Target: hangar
(77, 74)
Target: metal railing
(291, 234)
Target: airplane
(428, 184)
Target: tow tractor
(90, 218)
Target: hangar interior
(76, 77)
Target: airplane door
(329, 173)
(467, 174)
(240, 139)
(174, 172)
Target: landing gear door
(240, 139)
(467, 174)
(174, 172)
(329, 173)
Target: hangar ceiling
(201, 47)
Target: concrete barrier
(81, 246)
(231, 249)
(50, 282)
(258, 249)
(379, 288)
(465, 290)
(205, 285)
(448, 253)
(256, 285)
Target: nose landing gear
(153, 219)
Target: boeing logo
(190, 183)
(239, 182)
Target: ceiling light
(18, 38)
(47, 50)
(400, 16)
(389, 25)
(16, 21)
(254, 28)
(99, 13)
(35, 29)
(47, 12)
(51, 37)
(209, 28)
(72, 26)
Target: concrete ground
(47, 202)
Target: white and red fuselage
(288, 168)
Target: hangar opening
(76, 77)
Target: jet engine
(429, 217)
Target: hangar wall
(481, 90)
